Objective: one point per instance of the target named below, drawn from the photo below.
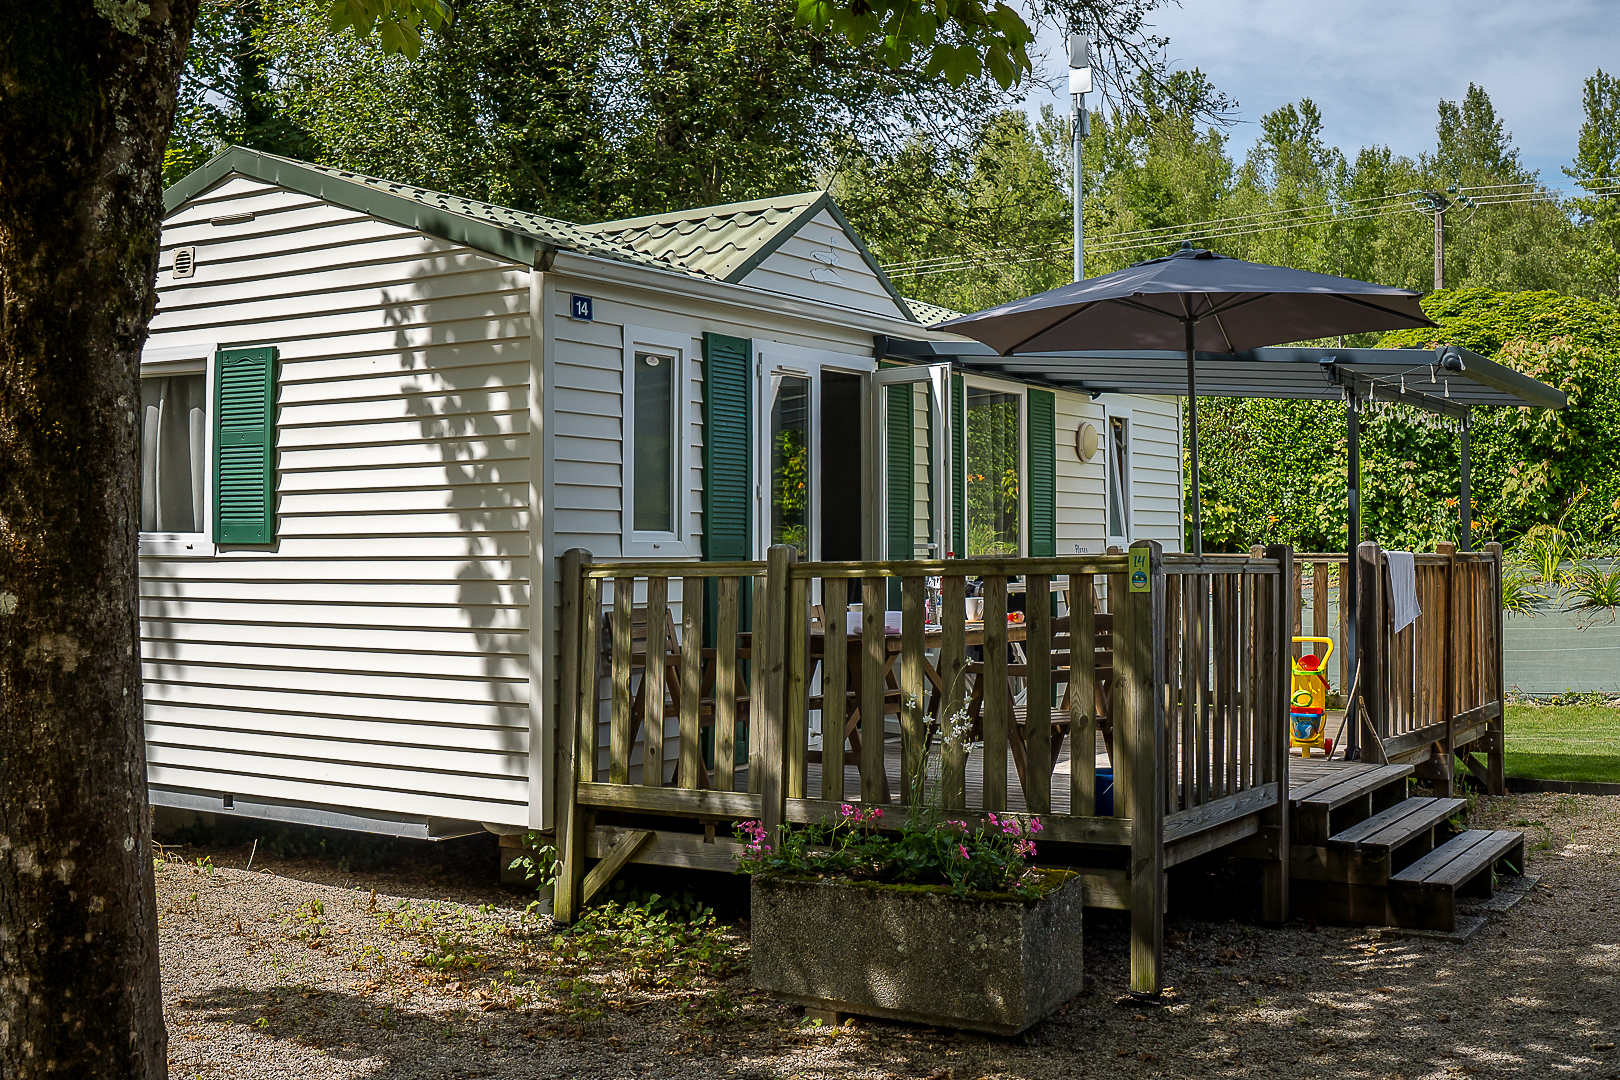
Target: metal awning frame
(1359, 377)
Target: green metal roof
(729, 241)
(930, 314)
(498, 230)
(722, 243)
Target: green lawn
(1564, 742)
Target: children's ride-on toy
(1307, 696)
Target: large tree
(87, 96)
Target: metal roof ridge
(795, 201)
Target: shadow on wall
(470, 396)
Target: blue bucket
(1105, 791)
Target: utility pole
(1438, 204)
(1079, 87)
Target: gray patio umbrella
(1196, 299)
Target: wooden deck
(1300, 773)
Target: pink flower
(1035, 825)
(993, 819)
(1025, 849)
(877, 812)
(847, 810)
(963, 849)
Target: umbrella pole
(1192, 426)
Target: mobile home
(375, 416)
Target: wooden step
(1364, 855)
(1424, 895)
(1400, 830)
(1339, 800)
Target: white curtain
(173, 453)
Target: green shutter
(1042, 441)
(901, 506)
(245, 446)
(728, 469)
(959, 466)
(727, 448)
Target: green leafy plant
(538, 862)
(1594, 594)
(1550, 553)
(1519, 593)
(990, 856)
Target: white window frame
(1017, 389)
(185, 360)
(1111, 412)
(676, 543)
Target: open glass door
(812, 453)
(909, 478)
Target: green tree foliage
(1159, 172)
(225, 92)
(1597, 163)
(924, 205)
(1276, 470)
(602, 110)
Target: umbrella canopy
(1197, 300)
(1233, 306)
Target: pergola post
(1465, 542)
(1352, 422)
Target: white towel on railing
(1403, 598)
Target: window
(1119, 476)
(653, 500)
(176, 445)
(174, 452)
(993, 481)
(656, 446)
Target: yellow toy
(1307, 696)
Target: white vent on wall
(185, 261)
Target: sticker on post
(1140, 581)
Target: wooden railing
(1434, 689)
(1185, 679)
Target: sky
(1378, 68)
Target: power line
(1234, 225)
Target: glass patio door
(811, 456)
(909, 478)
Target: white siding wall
(1156, 470)
(1155, 460)
(1080, 514)
(377, 657)
(794, 269)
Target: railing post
(1274, 875)
(1496, 752)
(770, 637)
(571, 693)
(1370, 645)
(1139, 659)
(1450, 687)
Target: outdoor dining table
(933, 639)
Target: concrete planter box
(907, 954)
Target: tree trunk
(87, 93)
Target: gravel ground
(302, 968)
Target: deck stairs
(1365, 851)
